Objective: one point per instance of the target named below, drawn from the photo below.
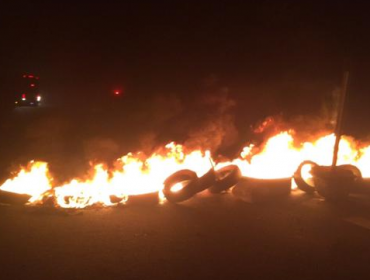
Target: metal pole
(338, 127)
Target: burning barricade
(175, 174)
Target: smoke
(307, 126)
(202, 119)
(101, 149)
(208, 120)
(215, 127)
(157, 121)
(329, 106)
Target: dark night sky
(170, 46)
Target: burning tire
(181, 186)
(358, 182)
(207, 180)
(355, 171)
(304, 184)
(334, 185)
(226, 178)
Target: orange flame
(33, 180)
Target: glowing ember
(136, 174)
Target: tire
(359, 182)
(302, 184)
(190, 186)
(226, 178)
(207, 180)
(355, 171)
(334, 185)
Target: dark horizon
(290, 54)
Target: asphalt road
(207, 237)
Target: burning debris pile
(176, 174)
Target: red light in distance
(32, 85)
(117, 92)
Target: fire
(134, 174)
(139, 176)
(281, 156)
(137, 173)
(80, 194)
(33, 180)
(278, 159)
(363, 162)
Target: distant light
(38, 98)
(23, 96)
(32, 85)
(24, 76)
(16, 102)
(117, 92)
(30, 76)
